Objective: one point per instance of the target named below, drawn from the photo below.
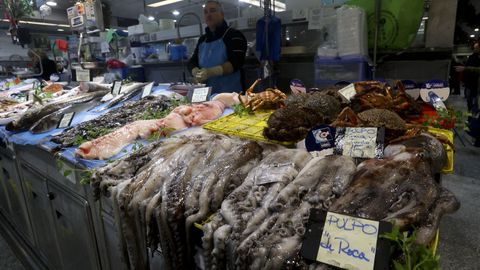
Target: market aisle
(459, 244)
(8, 261)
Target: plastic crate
(328, 70)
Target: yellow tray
(248, 127)
(449, 135)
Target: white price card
(83, 75)
(117, 88)
(360, 142)
(66, 120)
(200, 94)
(147, 90)
(348, 242)
(348, 92)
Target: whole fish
(52, 120)
(128, 92)
(31, 116)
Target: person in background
(219, 54)
(471, 75)
(48, 66)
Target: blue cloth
(212, 54)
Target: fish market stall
(138, 181)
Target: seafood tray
(449, 135)
(247, 127)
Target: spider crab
(394, 125)
(269, 99)
(373, 94)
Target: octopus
(401, 189)
(302, 112)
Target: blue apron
(212, 54)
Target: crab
(394, 125)
(302, 112)
(371, 94)
(269, 99)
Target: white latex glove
(203, 74)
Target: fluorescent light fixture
(163, 3)
(476, 29)
(425, 18)
(279, 6)
(51, 3)
(472, 35)
(151, 18)
(40, 23)
(60, 30)
(176, 12)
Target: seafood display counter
(138, 184)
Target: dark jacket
(471, 78)
(49, 67)
(234, 40)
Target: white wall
(7, 48)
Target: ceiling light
(51, 3)
(163, 3)
(174, 20)
(472, 35)
(476, 29)
(60, 30)
(279, 6)
(176, 12)
(151, 18)
(39, 23)
(203, 5)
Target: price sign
(83, 75)
(346, 242)
(199, 94)
(66, 120)
(117, 88)
(147, 90)
(348, 92)
(276, 172)
(360, 142)
(30, 96)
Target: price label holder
(147, 90)
(297, 86)
(360, 142)
(348, 92)
(82, 75)
(320, 138)
(346, 242)
(66, 120)
(197, 95)
(117, 88)
(30, 96)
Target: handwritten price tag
(199, 94)
(360, 142)
(117, 87)
(83, 75)
(348, 242)
(348, 92)
(66, 120)
(147, 90)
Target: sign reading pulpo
(348, 242)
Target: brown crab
(372, 94)
(394, 125)
(269, 99)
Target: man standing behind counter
(219, 54)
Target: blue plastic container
(329, 70)
(178, 52)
